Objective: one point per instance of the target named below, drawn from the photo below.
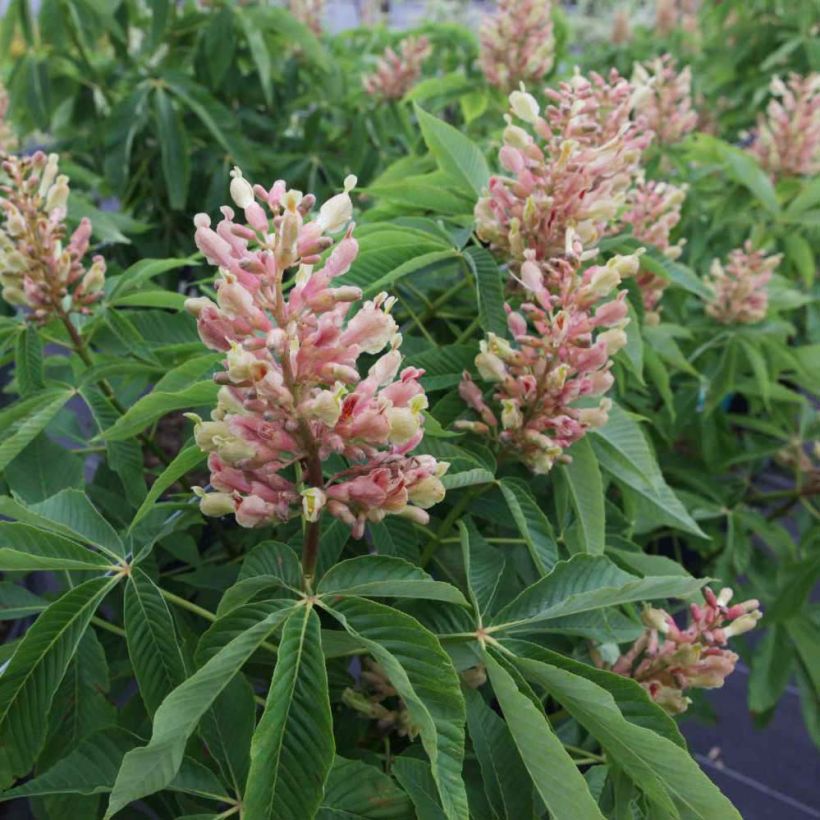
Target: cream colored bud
(58, 194)
(215, 505)
(313, 501)
(511, 416)
(404, 424)
(427, 492)
(241, 190)
(49, 174)
(614, 339)
(655, 619)
(196, 304)
(744, 623)
(524, 106)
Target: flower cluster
(671, 14)
(8, 141)
(309, 12)
(691, 658)
(517, 43)
(38, 268)
(787, 139)
(396, 74)
(665, 98)
(621, 28)
(653, 211)
(561, 353)
(292, 395)
(739, 289)
(563, 192)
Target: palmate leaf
(662, 769)
(151, 768)
(27, 418)
(381, 576)
(423, 675)
(293, 748)
(152, 643)
(34, 673)
(506, 780)
(533, 525)
(555, 776)
(583, 584)
(27, 548)
(91, 768)
(483, 567)
(586, 492)
(490, 289)
(624, 453)
(417, 780)
(357, 791)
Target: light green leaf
(490, 290)
(483, 566)
(174, 149)
(455, 153)
(259, 53)
(383, 576)
(582, 584)
(533, 525)
(356, 791)
(152, 641)
(151, 768)
(24, 420)
(34, 672)
(293, 748)
(27, 548)
(28, 361)
(662, 769)
(506, 781)
(183, 463)
(423, 675)
(467, 478)
(623, 451)
(144, 270)
(72, 512)
(416, 266)
(149, 408)
(556, 778)
(586, 492)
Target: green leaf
(32, 675)
(292, 748)
(623, 451)
(533, 525)
(805, 635)
(259, 53)
(467, 478)
(24, 420)
(149, 408)
(152, 642)
(455, 153)
(138, 273)
(662, 769)
(425, 263)
(357, 791)
(28, 361)
(26, 548)
(43, 469)
(582, 584)
(382, 576)
(183, 463)
(490, 290)
(772, 669)
(506, 780)
(151, 768)
(17, 602)
(72, 513)
(423, 675)
(174, 149)
(483, 567)
(586, 492)
(556, 778)
(416, 779)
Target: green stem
(116, 630)
(184, 604)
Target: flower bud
(241, 190)
(215, 505)
(524, 106)
(313, 501)
(427, 492)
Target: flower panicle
(8, 140)
(41, 267)
(517, 43)
(397, 72)
(309, 12)
(653, 211)
(291, 393)
(569, 170)
(739, 289)
(667, 660)
(664, 97)
(787, 139)
(563, 337)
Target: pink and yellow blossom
(664, 98)
(396, 73)
(292, 394)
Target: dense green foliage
(152, 654)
